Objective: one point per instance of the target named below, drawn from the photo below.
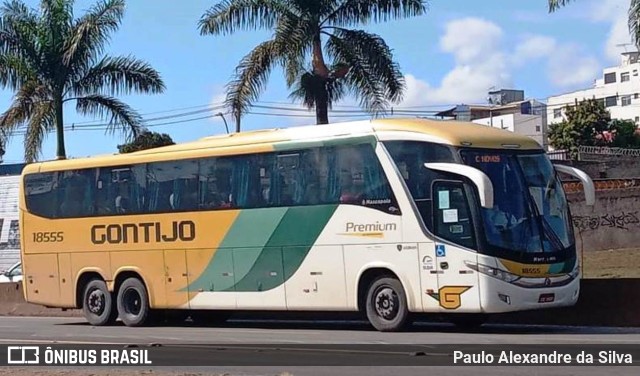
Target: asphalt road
(269, 343)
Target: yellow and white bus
(390, 217)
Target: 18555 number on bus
(48, 237)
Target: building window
(635, 73)
(610, 78)
(611, 101)
(537, 128)
(624, 77)
(626, 100)
(637, 119)
(557, 113)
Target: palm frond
(557, 4)
(310, 88)
(252, 75)
(296, 35)
(229, 16)
(25, 103)
(119, 115)
(119, 75)
(19, 31)
(377, 57)
(317, 8)
(14, 71)
(40, 123)
(634, 22)
(91, 32)
(354, 12)
(361, 79)
(56, 18)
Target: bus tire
(97, 304)
(133, 303)
(386, 305)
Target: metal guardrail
(598, 150)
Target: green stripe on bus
(249, 233)
(287, 248)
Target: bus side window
(215, 181)
(76, 193)
(451, 213)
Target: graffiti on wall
(623, 221)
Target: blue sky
(454, 54)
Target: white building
(533, 126)
(618, 89)
(507, 110)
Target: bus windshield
(530, 212)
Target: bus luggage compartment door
(41, 278)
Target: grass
(615, 263)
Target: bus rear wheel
(97, 304)
(386, 305)
(133, 302)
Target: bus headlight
(500, 274)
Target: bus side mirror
(479, 179)
(587, 183)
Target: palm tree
(48, 59)
(342, 60)
(633, 20)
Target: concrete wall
(606, 168)
(614, 221)
(9, 233)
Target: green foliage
(48, 58)
(146, 140)
(590, 124)
(582, 124)
(624, 134)
(322, 58)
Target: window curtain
(300, 181)
(240, 181)
(275, 184)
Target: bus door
(454, 247)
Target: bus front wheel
(133, 302)
(97, 304)
(386, 305)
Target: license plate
(546, 298)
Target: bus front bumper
(500, 296)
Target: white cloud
(480, 63)
(568, 67)
(534, 47)
(471, 38)
(483, 62)
(613, 12)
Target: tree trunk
(322, 105)
(317, 61)
(59, 122)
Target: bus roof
(446, 132)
